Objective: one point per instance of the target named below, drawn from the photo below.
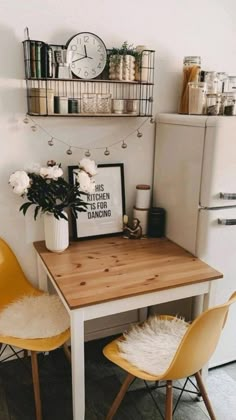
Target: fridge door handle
(228, 196)
(227, 222)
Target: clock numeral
(102, 56)
(99, 48)
(86, 73)
(79, 41)
(93, 72)
(73, 65)
(99, 66)
(73, 47)
(86, 38)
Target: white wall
(172, 28)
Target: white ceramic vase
(56, 233)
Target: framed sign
(107, 204)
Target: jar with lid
(232, 84)
(191, 72)
(213, 104)
(223, 82)
(197, 98)
(229, 107)
(212, 81)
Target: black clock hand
(85, 50)
(81, 58)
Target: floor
(102, 383)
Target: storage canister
(143, 196)
(142, 216)
(197, 98)
(156, 222)
(191, 73)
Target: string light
(152, 121)
(69, 151)
(87, 151)
(51, 142)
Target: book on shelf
(32, 59)
(38, 47)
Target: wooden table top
(99, 270)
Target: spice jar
(197, 98)
(143, 196)
(191, 71)
(223, 82)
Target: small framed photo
(106, 209)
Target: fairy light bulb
(51, 142)
(87, 153)
(106, 153)
(69, 151)
(124, 145)
(139, 134)
(33, 128)
(26, 120)
(152, 121)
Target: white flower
(87, 184)
(88, 166)
(51, 172)
(20, 182)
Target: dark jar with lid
(156, 222)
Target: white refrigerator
(195, 181)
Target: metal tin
(156, 222)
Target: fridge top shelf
(194, 120)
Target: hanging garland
(52, 139)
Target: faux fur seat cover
(151, 346)
(34, 317)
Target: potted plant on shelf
(122, 62)
(46, 189)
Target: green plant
(115, 54)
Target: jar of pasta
(191, 71)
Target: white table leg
(77, 362)
(42, 275)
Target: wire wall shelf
(52, 89)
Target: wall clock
(86, 54)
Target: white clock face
(87, 55)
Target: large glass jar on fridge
(191, 71)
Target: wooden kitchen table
(105, 276)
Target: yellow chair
(14, 285)
(194, 351)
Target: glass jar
(213, 104)
(232, 84)
(89, 103)
(191, 71)
(197, 98)
(212, 81)
(229, 106)
(104, 103)
(223, 82)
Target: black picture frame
(105, 215)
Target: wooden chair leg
(205, 397)
(169, 401)
(35, 376)
(116, 403)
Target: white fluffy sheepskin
(34, 317)
(152, 345)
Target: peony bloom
(86, 184)
(20, 182)
(51, 172)
(33, 168)
(88, 166)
